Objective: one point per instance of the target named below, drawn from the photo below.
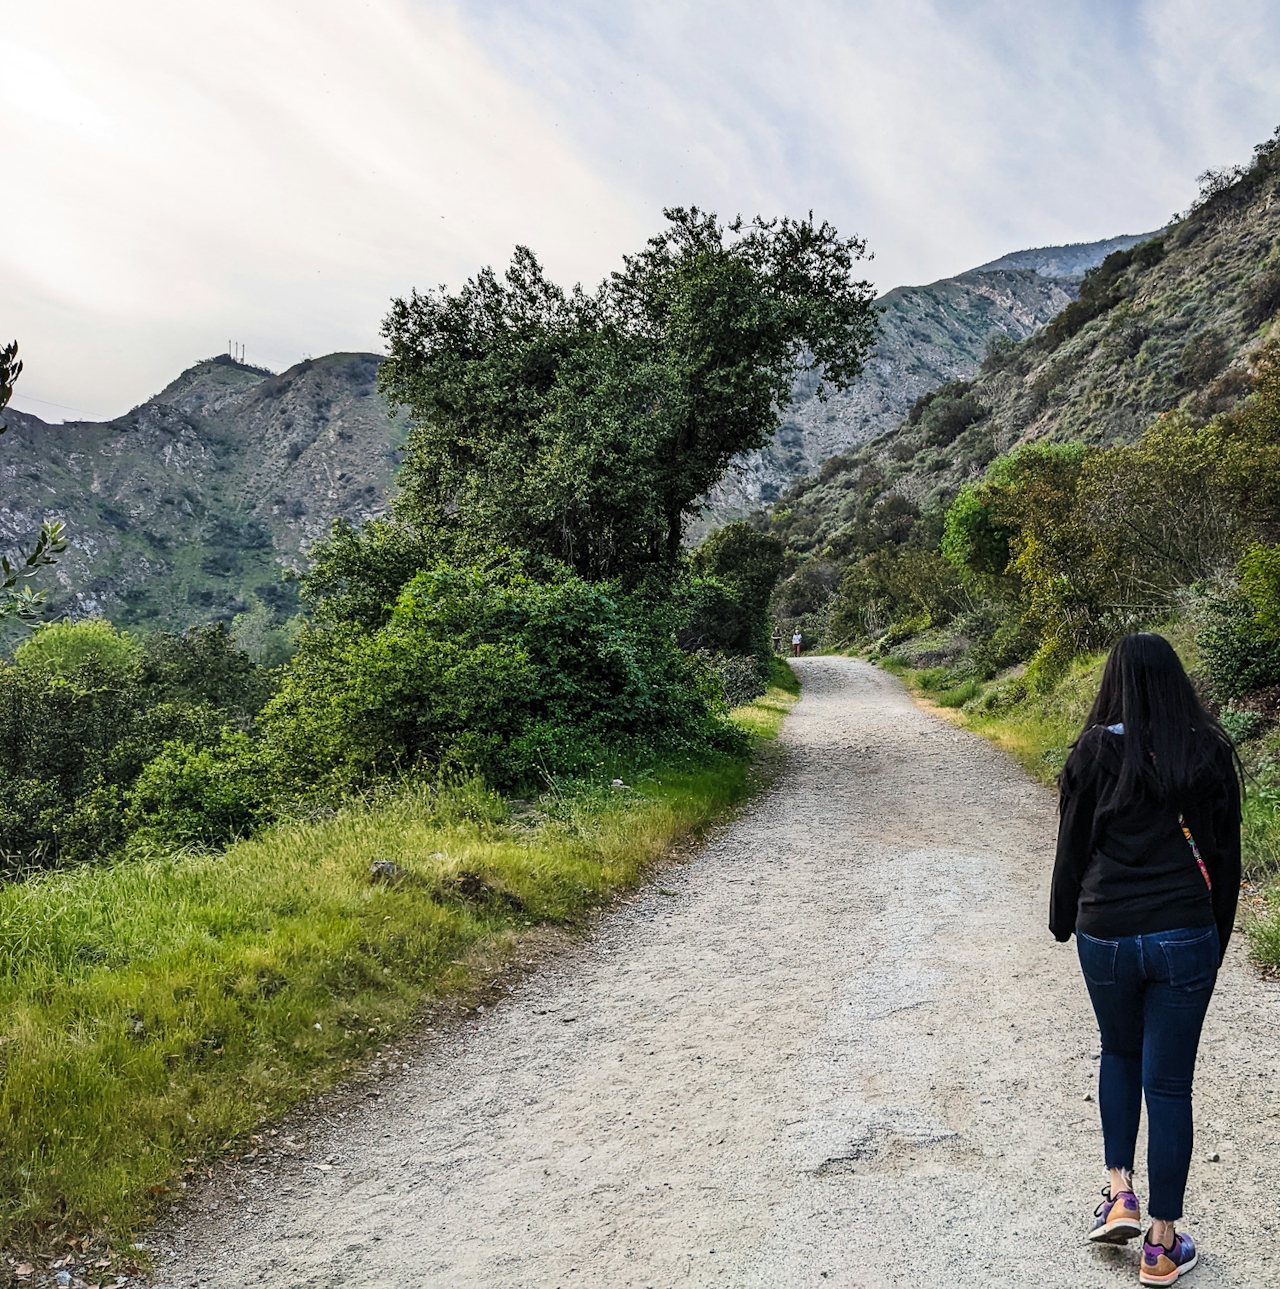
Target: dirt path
(836, 1048)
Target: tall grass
(153, 1011)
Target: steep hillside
(191, 506)
(931, 334)
(1171, 323)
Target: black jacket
(1134, 873)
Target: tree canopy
(585, 426)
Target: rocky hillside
(1168, 324)
(193, 505)
(931, 334)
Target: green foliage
(736, 570)
(738, 675)
(1260, 582)
(1202, 358)
(82, 713)
(202, 795)
(890, 586)
(16, 598)
(1001, 354)
(1102, 289)
(1262, 297)
(63, 647)
(357, 574)
(203, 666)
(1240, 723)
(1239, 655)
(976, 540)
(585, 427)
(489, 670)
(948, 416)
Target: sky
(178, 176)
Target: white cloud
(178, 175)
(946, 131)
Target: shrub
(947, 417)
(737, 569)
(961, 694)
(1001, 353)
(489, 670)
(891, 587)
(82, 712)
(1240, 723)
(1102, 289)
(204, 795)
(738, 677)
(1238, 657)
(62, 647)
(1260, 580)
(1202, 358)
(1261, 298)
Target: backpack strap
(1195, 850)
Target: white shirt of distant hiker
(795, 644)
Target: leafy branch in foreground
(17, 600)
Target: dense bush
(890, 586)
(1239, 656)
(1102, 289)
(735, 572)
(84, 708)
(946, 418)
(476, 670)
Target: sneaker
(1161, 1266)
(1118, 1219)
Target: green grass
(155, 1011)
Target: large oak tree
(585, 426)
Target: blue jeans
(1150, 994)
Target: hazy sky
(178, 175)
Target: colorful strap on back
(1195, 850)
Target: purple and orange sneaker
(1161, 1266)
(1118, 1218)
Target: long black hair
(1172, 745)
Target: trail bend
(836, 1048)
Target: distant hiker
(777, 639)
(795, 643)
(1147, 876)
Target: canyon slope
(195, 505)
(929, 335)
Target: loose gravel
(836, 1047)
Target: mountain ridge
(930, 334)
(199, 503)
(193, 504)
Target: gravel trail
(837, 1047)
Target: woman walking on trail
(1147, 875)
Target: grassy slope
(155, 1012)
(1038, 731)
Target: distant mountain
(930, 334)
(1074, 260)
(190, 507)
